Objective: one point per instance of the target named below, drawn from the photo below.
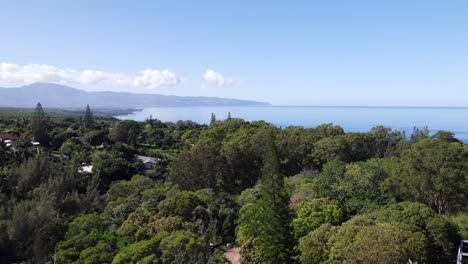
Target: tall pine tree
(88, 118)
(213, 119)
(267, 221)
(39, 126)
(274, 241)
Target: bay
(352, 119)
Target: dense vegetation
(292, 195)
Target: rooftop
(145, 159)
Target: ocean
(352, 119)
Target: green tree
(385, 141)
(360, 146)
(183, 247)
(419, 134)
(356, 185)
(145, 251)
(72, 146)
(94, 137)
(139, 218)
(445, 136)
(314, 246)
(167, 224)
(200, 167)
(331, 148)
(39, 125)
(34, 227)
(295, 145)
(310, 215)
(328, 130)
(88, 118)
(433, 172)
(182, 204)
(270, 215)
(213, 119)
(461, 220)
(362, 240)
(113, 166)
(441, 234)
(3, 153)
(125, 132)
(60, 138)
(77, 238)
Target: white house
(8, 143)
(149, 162)
(85, 168)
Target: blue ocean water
(352, 119)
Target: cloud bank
(217, 79)
(31, 73)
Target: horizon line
(371, 106)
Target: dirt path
(233, 255)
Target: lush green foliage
(265, 222)
(310, 215)
(292, 195)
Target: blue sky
(378, 52)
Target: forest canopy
(87, 189)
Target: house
(8, 142)
(149, 162)
(463, 252)
(4, 137)
(7, 139)
(86, 168)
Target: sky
(357, 53)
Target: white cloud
(100, 77)
(217, 79)
(30, 73)
(154, 78)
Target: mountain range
(61, 96)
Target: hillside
(54, 95)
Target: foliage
(433, 172)
(182, 204)
(266, 221)
(355, 185)
(286, 195)
(310, 215)
(125, 132)
(442, 237)
(461, 220)
(113, 166)
(362, 240)
(88, 118)
(145, 251)
(201, 167)
(39, 125)
(94, 138)
(183, 247)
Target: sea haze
(352, 119)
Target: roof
(86, 168)
(145, 159)
(6, 136)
